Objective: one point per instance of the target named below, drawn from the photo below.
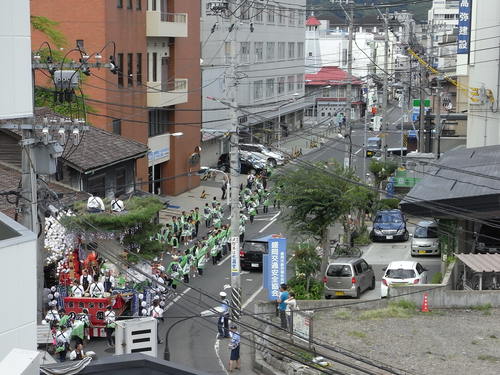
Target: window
(300, 81)
(129, 4)
(300, 49)
(344, 56)
(258, 13)
(259, 51)
(400, 274)
(158, 122)
(301, 18)
(147, 67)
(291, 50)
(339, 270)
(153, 4)
(269, 87)
(227, 52)
(291, 83)
(245, 11)
(364, 266)
(130, 69)
(291, 19)
(120, 69)
(419, 268)
(281, 85)
(96, 185)
(138, 4)
(119, 4)
(139, 68)
(245, 51)
(258, 90)
(121, 182)
(155, 67)
(281, 50)
(270, 55)
(79, 43)
(357, 266)
(117, 126)
(270, 13)
(281, 16)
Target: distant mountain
(418, 10)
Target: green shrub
(387, 204)
(437, 278)
(298, 285)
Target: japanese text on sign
(464, 22)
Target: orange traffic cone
(425, 303)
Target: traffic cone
(425, 303)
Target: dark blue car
(389, 225)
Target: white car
(273, 158)
(402, 273)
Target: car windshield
(426, 232)
(400, 273)
(339, 270)
(259, 247)
(373, 143)
(388, 218)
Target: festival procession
(89, 288)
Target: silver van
(425, 239)
(348, 277)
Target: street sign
(464, 22)
(427, 103)
(235, 256)
(274, 267)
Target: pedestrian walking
(197, 219)
(157, 313)
(252, 211)
(63, 337)
(207, 214)
(234, 358)
(110, 319)
(266, 203)
(223, 322)
(282, 305)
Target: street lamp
(177, 134)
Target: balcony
(171, 93)
(160, 24)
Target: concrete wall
(18, 309)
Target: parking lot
(380, 254)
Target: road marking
(273, 219)
(357, 152)
(216, 348)
(244, 272)
(177, 298)
(249, 279)
(223, 260)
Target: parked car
(274, 158)
(248, 163)
(373, 145)
(425, 239)
(348, 277)
(251, 253)
(402, 273)
(389, 225)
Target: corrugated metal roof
(481, 262)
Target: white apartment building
(483, 123)
(442, 21)
(270, 57)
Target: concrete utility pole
(421, 128)
(438, 118)
(386, 83)
(234, 155)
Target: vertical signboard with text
(464, 22)
(274, 267)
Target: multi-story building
(155, 92)
(442, 22)
(270, 71)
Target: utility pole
(348, 146)
(386, 83)
(421, 128)
(234, 155)
(438, 118)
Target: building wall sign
(464, 22)
(159, 149)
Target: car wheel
(406, 236)
(372, 286)
(328, 296)
(358, 293)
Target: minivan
(425, 239)
(348, 277)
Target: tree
(381, 171)
(317, 196)
(48, 27)
(306, 260)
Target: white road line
(223, 260)
(273, 219)
(357, 152)
(177, 298)
(216, 348)
(249, 279)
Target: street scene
(312, 190)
